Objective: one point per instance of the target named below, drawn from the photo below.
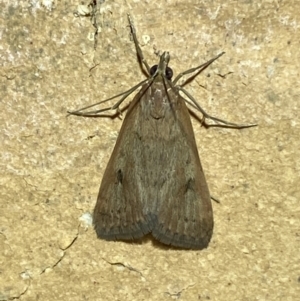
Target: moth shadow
(155, 243)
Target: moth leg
(200, 68)
(95, 113)
(207, 116)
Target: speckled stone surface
(52, 165)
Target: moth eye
(153, 69)
(169, 72)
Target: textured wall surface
(52, 165)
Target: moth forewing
(118, 213)
(184, 210)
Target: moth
(154, 182)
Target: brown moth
(154, 182)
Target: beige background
(51, 165)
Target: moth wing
(118, 213)
(184, 216)
(154, 181)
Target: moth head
(162, 68)
(168, 72)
